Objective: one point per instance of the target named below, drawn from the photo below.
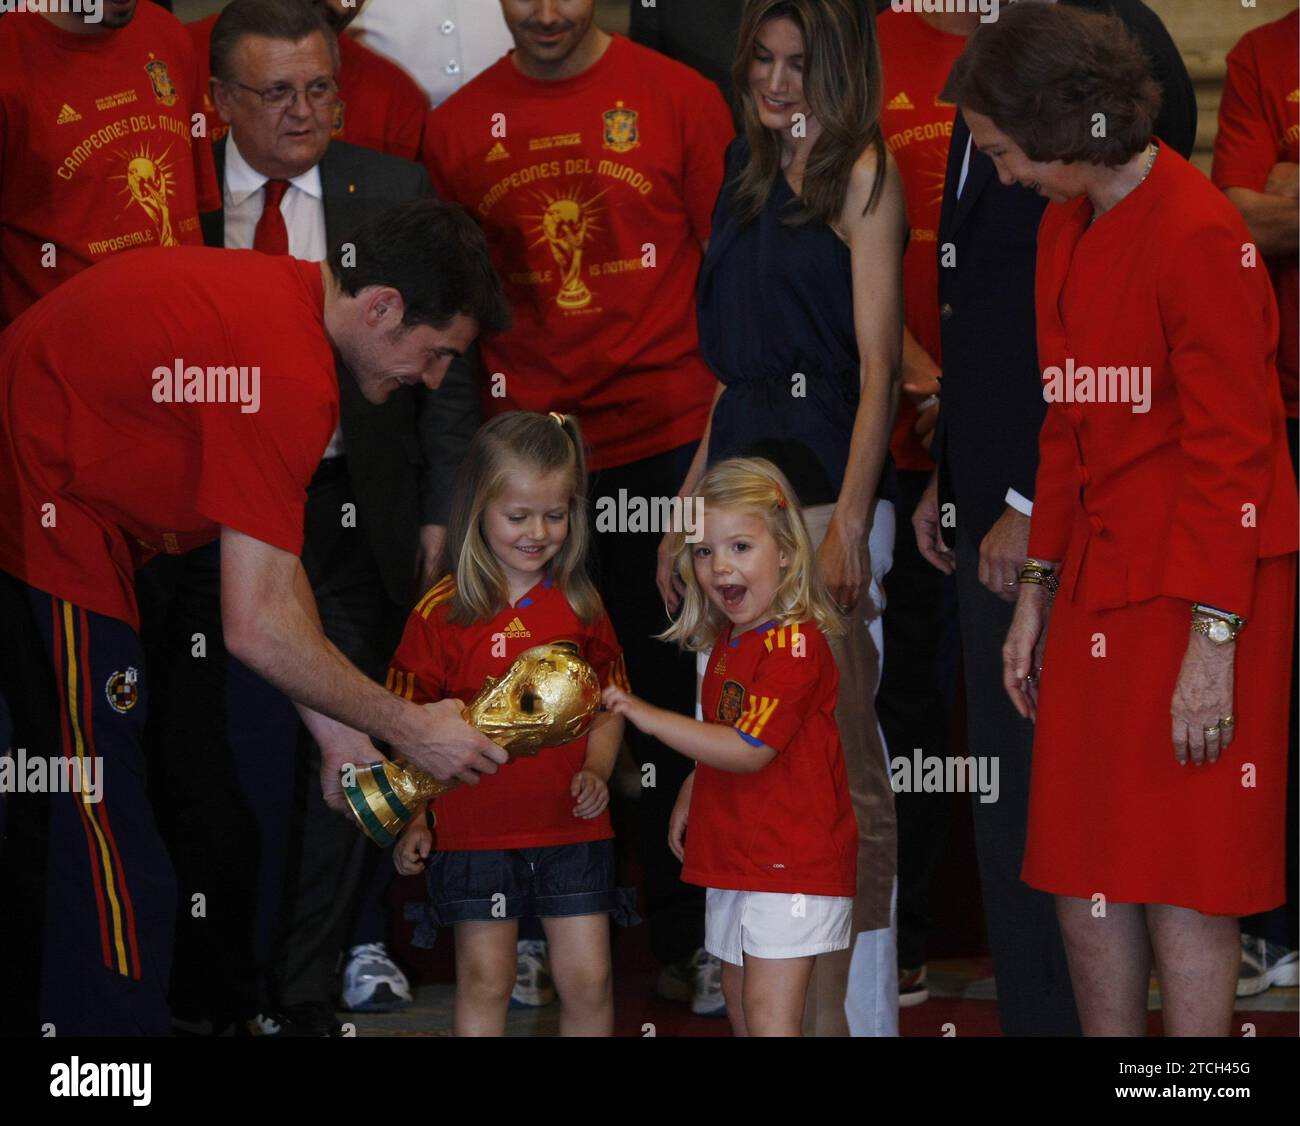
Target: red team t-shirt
(527, 803)
(577, 183)
(788, 827)
(97, 473)
(1259, 126)
(380, 105)
(96, 151)
(917, 125)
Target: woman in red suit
(1163, 532)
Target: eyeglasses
(321, 93)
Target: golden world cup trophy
(547, 697)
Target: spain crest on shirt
(163, 88)
(731, 704)
(620, 128)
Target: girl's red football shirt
(789, 827)
(527, 803)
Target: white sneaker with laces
(372, 982)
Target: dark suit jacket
(401, 455)
(700, 34)
(993, 407)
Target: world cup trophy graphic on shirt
(548, 697)
(149, 183)
(565, 227)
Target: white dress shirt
(303, 208)
(442, 44)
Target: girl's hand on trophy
(590, 792)
(623, 703)
(413, 847)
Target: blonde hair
(534, 442)
(758, 486)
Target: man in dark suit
(975, 514)
(374, 524)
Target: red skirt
(1110, 809)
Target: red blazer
(1182, 498)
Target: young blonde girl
(772, 833)
(534, 838)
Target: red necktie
(272, 236)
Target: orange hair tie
(780, 496)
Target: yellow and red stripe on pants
(71, 652)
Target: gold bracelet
(1031, 576)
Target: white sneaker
(1264, 965)
(706, 995)
(534, 987)
(372, 982)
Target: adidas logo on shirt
(517, 629)
(900, 101)
(67, 115)
(497, 152)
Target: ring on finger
(1228, 721)
(1211, 730)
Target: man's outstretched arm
(270, 621)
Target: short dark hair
(293, 20)
(1042, 72)
(434, 255)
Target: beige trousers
(834, 993)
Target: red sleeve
(780, 696)
(1056, 483)
(707, 133)
(416, 671)
(605, 654)
(1220, 320)
(437, 128)
(1244, 148)
(406, 117)
(255, 468)
(1049, 527)
(206, 190)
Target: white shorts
(775, 924)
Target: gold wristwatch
(1218, 625)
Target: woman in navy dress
(800, 315)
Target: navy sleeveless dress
(775, 309)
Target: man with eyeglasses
(97, 153)
(375, 511)
(377, 104)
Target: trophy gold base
(384, 796)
